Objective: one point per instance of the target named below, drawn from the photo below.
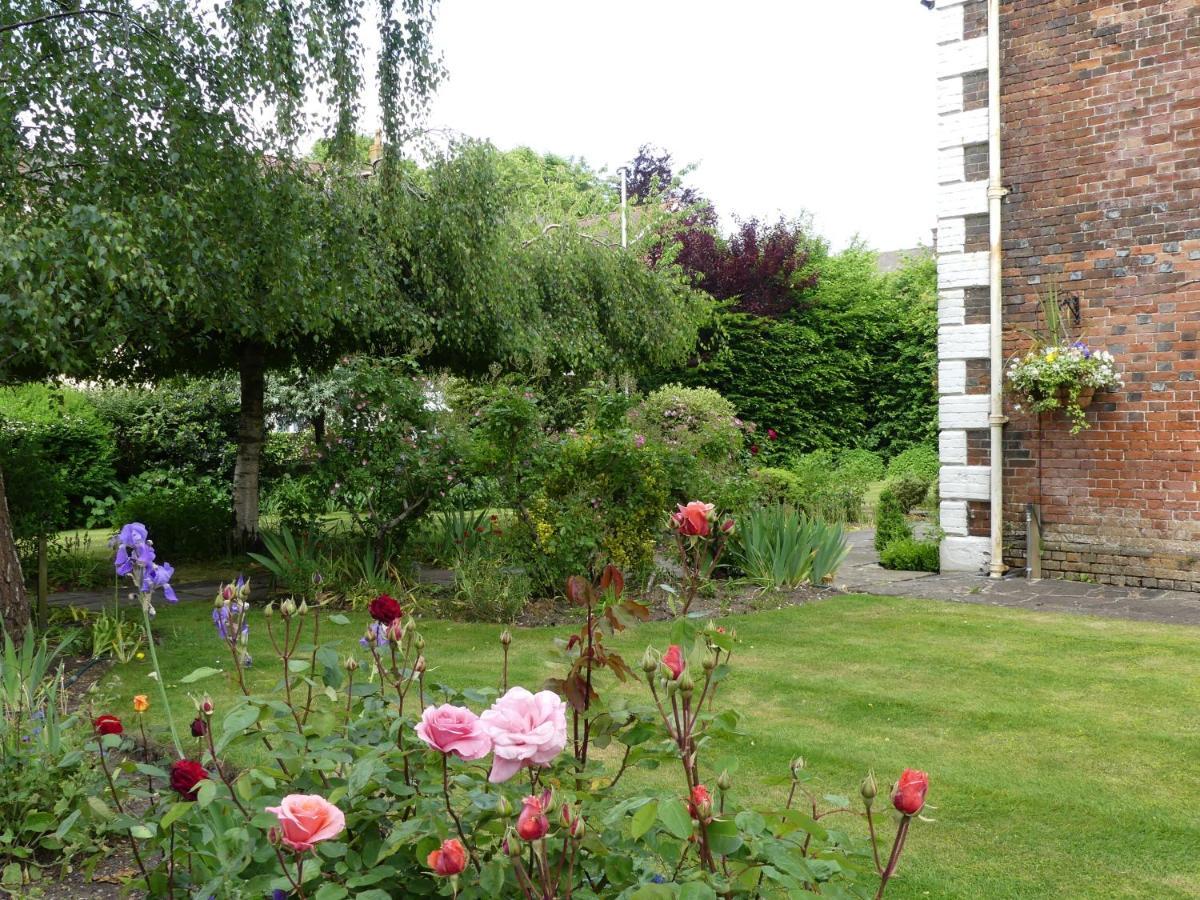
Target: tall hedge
(853, 366)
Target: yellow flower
(1051, 355)
(141, 655)
(141, 703)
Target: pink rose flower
(693, 520)
(454, 729)
(307, 819)
(526, 730)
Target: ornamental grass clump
(379, 782)
(1059, 371)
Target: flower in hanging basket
(1063, 375)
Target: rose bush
(375, 781)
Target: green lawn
(1062, 751)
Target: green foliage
(890, 522)
(861, 466)
(297, 502)
(920, 461)
(294, 560)
(851, 366)
(73, 562)
(910, 490)
(582, 498)
(385, 457)
(187, 513)
(487, 588)
(909, 555)
(818, 485)
(777, 547)
(43, 781)
(185, 424)
(453, 532)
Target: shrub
(51, 466)
(890, 523)
(188, 513)
(580, 499)
(860, 466)
(296, 501)
(920, 461)
(487, 588)
(909, 555)
(775, 546)
(825, 492)
(184, 424)
(910, 491)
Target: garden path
(862, 574)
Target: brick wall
(1101, 152)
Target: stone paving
(862, 574)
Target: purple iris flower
(133, 548)
(225, 617)
(378, 632)
(159, 576)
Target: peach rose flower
(307, 819)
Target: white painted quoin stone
(958, 271)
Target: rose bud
(700, 804)
(287, 608)
(797, 766)
(727, 526)
(724, 782)
(302, 609)
(510, 844)
(419, 665)
(578, 829)
(650, 661)
(506, 637)
(351, 664)
(199, 727)
(532, 823)
(141, 703)
(908, 796)
(395, 631)
(869, 789)
(108, 725)
(269, 609)
(206, 706)
(709, 662)
(449, 859)
(504, 807)
(674, 661)
(687, 685)
(418, 641)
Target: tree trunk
(251, 436)
(318, 426)
(14, 605)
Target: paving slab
(861, 574)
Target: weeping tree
(154, 214)
(173, 126)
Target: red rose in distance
(385, 609)
(186, 775)
(673, 660)
(909, 794)
(108, 725)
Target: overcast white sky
(786, 105)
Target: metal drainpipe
(996, 192)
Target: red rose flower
(532, 823)
(754, 449)
(909, 794)
(772, 434)
(693, 520)
(673, 660)
(199, 727)
(385, 609)
(448, 860)
(108, 725)
(186, 775)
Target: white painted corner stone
(952, 447)
(952, 307)
(952, 376)
(963, 269)
(963, 342)
(965, 554)
(968, 412)
(954, 517)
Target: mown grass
(1062, 750)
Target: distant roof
(892, 260)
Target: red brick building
(1099, 172)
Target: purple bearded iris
(133, 548)
(159, 576)
(226, 616)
